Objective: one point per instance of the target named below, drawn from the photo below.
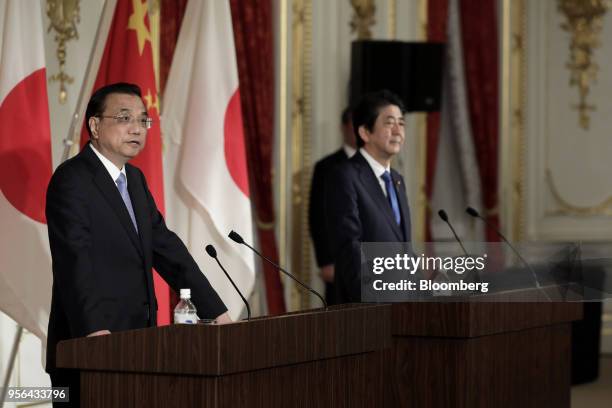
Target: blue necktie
(122, 186)
(386, 176)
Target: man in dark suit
(106, 235)
(316, 210)
(366, 199)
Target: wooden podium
(477, 354)
(315, 358)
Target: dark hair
(346, 115)
(97, 102)
(368, 107)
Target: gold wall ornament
(300, 156)
(363, 18)
(584, 21)
(64, 16)
(564, 207)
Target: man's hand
(99, 333)
(223, 318)
(327, 273)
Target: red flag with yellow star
(128, 57)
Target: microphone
(234, 236)
(444, 217)
(472, 212)
(212, 252)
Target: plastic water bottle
(185, 312)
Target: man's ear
(93, 126)
(364, 134)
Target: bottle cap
(185, 293)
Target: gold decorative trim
(64, 16)
(300, 148)
(266, 226)
(392, 19)
(364, 12)
(422, 203)
(584, 21)
(423, 19)
(567, 208)
(421, 123)
(519, 94)
(512, 131)
(282, 130)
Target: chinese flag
(128, 57)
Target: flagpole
(71, 142)
(11, 363)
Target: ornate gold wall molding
(564, 207)
(301, 81)
(422, 203)
(364, 12)
(584, 21)
(283, 37)
(64, 16)
(513, 88)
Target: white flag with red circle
(25, 155)
(205, 169)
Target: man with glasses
(106, 235)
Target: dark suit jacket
(358, 211)
(316, 215)
(102, 277)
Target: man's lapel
(138, 195)
(368, 178)
(109, 191)
(140, 204)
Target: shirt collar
(110, 167)
(350, 151)
(377, 168)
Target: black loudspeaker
(412, 70)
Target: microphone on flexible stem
(444, 217)
(471, 211)
(234, 236)
(210, 250)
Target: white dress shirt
(350, 151)
(110, 166)
(377, 168)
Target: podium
(331, 358)
(480, 354)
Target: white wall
(577, 160)
(568, 188)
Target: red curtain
(437, 22)
(480, 52)
(171, 17)
(253, 36)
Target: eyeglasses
(124, 119)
